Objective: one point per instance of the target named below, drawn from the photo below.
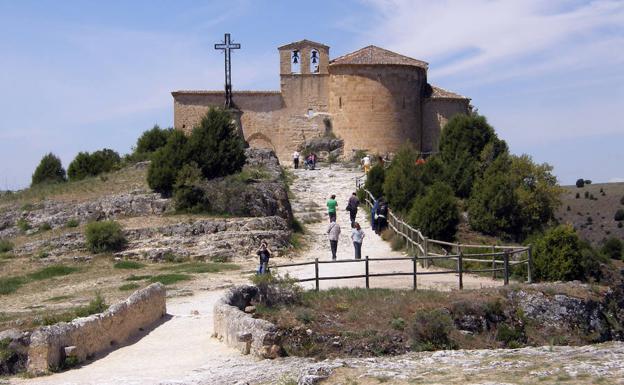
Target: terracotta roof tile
(373, 55)
(440, 93)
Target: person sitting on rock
(265, 254)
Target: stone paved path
(311, 190)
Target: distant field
(593, 218)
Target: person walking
(357, 236)
(333, 232)
(374, 215)
(264, 254)
(331, 208)
(352, 207)
(366, 162)
(296, 159)
(382, 215)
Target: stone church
(373, 99)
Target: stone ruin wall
(85, 337)
(436, 113)
(376, 108)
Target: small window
(340, 102)
(295, 62)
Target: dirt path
(311, 190)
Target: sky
(85, 75)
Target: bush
(613, 248)
(5, 245)
(189, 196)
(105, 236)
(49, 170)
(559, 255)
(23, 225)
(150, 141)
(85, 165)
(431, 330)
(467, 146)
(166, 162)
(619, 215)
(45, 226)
(436, 213)
(587, 181)
(580, 183)
(375, 180)
(577, 196)
(72, 223)
(402, 180)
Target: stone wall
(436, 113)
(376, 108)
(239, 329)
(88, 336)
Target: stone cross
(227, 46)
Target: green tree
(85, 164)
(559, 255)
(436, 213)
(166, 162)
(104, 236)
(375, 180)
(463, 149)
(150, 141)
(215, 145)
(189, 195)
(402, 179)
(49, 170)
(613, 248)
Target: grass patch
(59, 298)
(9, 285)
(96, 305)
(5, 245)
(51, 272)
(133, 277)
(201, 267)
(7, 256)
(72, 223)
(128, 265)
(170, 279)
(129, 286)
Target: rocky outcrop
(13, 351)
(239, 329)
(323, 147)
(88, 336)
(58, 214)
(226, 238)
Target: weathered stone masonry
(373, 98)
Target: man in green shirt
(331, 208)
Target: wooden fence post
(366, 269)
(425, 262)
(415, 261)
(460, 269)
(316, 273)
(493, 262)
(506, 261)
(530, 264)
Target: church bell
(295, 57)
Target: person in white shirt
(357, 236)
(296, 159)
(366, 161)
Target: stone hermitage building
(373, 99)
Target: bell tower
(304, 74)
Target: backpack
(382, 210)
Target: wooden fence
(499, 259)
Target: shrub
(150, 141)
(215, 145)
(85, 165)
(189, 196)
(5, 245)
(402, 180)
(49, 170)
(72, 223)
(95, 306)
(375, 180)
(23, 225)
(559, 255)
(45, 226)
(613, 248)
(619, 215)
(105, 236)
(511, 336)
(431, 330)
(436, 213)
(587, 181)
(166, 162)
(580, 183)
(577, 196)
(586, 195)
(467, 146)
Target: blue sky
(83, 75)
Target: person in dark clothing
(265, 254)
(382, 215)
(352, 208)
(374, 215)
